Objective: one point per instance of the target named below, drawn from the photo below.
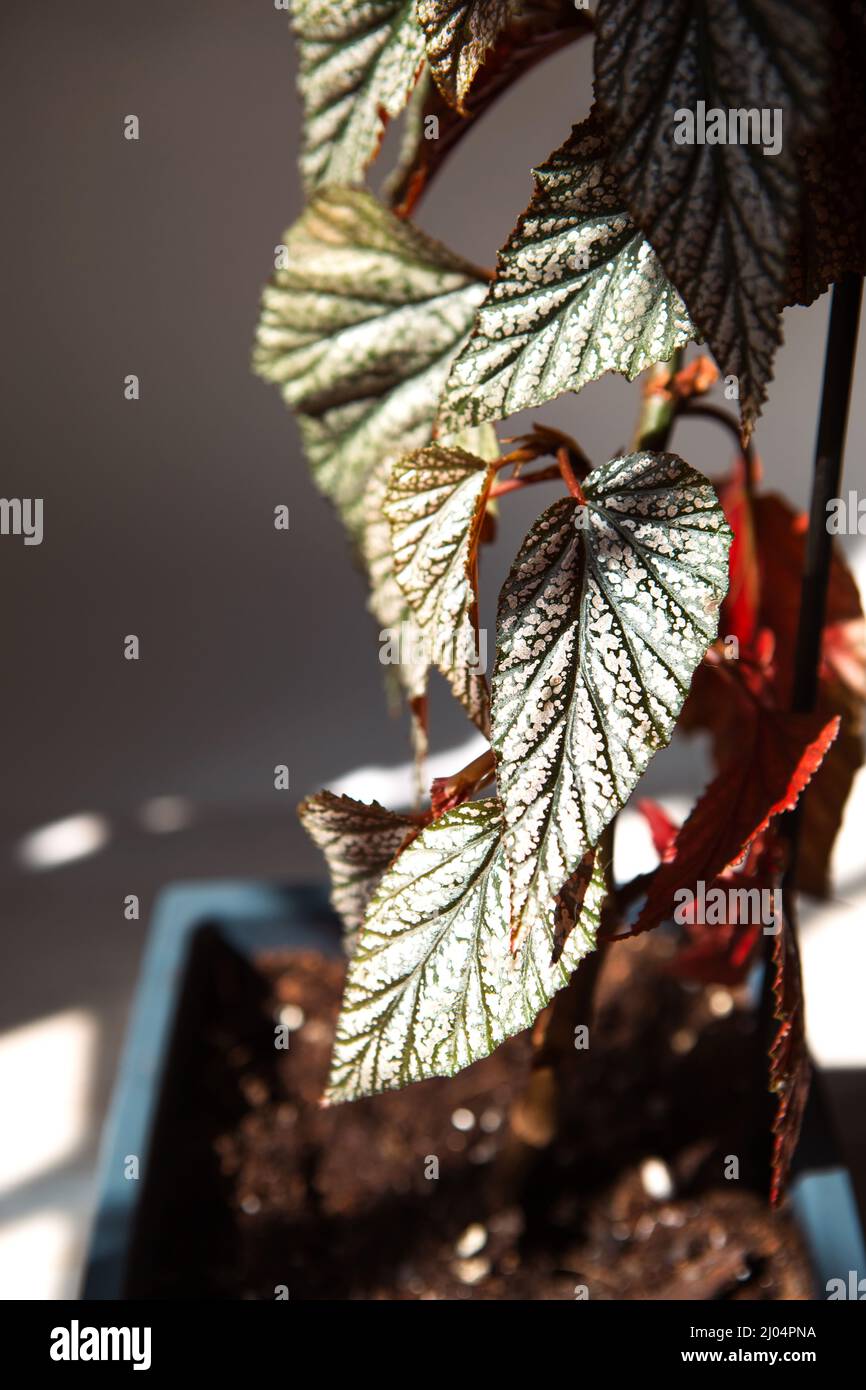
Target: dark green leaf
(721, 217)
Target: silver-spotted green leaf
(720, 216)
(535, 29)
(432, 985)
(578, 292)
(435, 505)
(386, 601)
(358, 63)
(358, 331)
(458, 34)
(608, 609)
(359, 841)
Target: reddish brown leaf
(723, 958)
(662, 828)
(781, 547)
(569, 904)
(778, 755)
(718, 952)
(551, 25)
(768, 553)
(781, 537)
(790, 1071)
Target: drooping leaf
(535, 30)
(721, 217)
(432, 985)
(661, 827)
(790, 1070)
(831, 237)
(450, 791)
(358, 841)
(568, 909)
(578, 292)
(458, 34)
(606, 613)
(358, 64)
(775, 757)
(358, 332)
(781, 546)
(435, 505)
(398, 630)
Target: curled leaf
(720, 213)
(435, 506)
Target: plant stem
(659, 407)
(543, 475)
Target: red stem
(544, 475)
(569, 476)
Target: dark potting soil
(254, 1191)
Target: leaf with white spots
(432, 985)
(435, 506)
(720, 216)
(358, 63)
(578, 292)
(358, 841)
(358, 331)
(607, 611)
(386, 601)
(459, 34)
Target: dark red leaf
(778, 754)
(790, 1071)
